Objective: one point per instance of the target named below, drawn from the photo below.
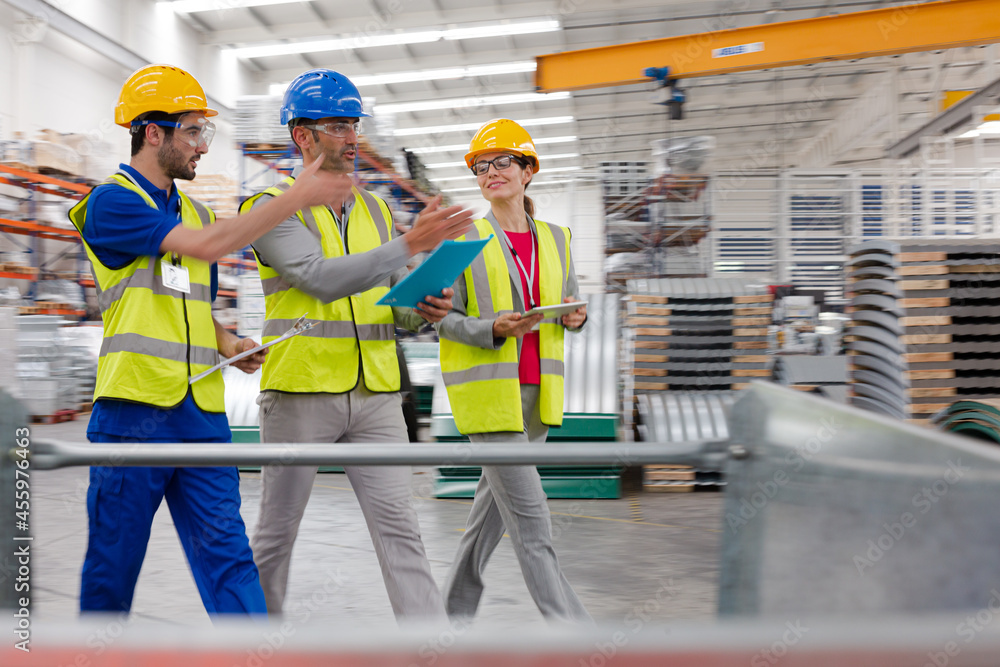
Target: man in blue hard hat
(340, 382)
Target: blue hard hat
(321, 93)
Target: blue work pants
(205, 506)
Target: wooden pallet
(668, 473)
(19, 269)
(57, 417)
(667, 478)
(668, 487)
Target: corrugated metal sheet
(684, 416)
(591, 384)
(949, 245)
(878, 381)
(874, 246)
(695, 288)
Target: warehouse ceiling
(396, 50)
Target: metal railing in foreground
(828, 509)
(796, 641)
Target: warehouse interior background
(829, 226)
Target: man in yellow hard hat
(153, 252)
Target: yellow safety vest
(483, 385)
(155, 338)
(352, 333)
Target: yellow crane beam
(878, 32)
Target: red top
(529, 369)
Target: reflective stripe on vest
(483, 385)
(352, 335)
(155, 338)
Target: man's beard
(338, 163)
(173, 163)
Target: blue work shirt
(120, 227)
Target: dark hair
(294, 123)
(139, 131)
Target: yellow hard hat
(160, 88)
(499, 135)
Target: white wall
(50, 81)
(577, 205)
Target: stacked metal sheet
(976, 419)
(697, 334)
(256, 120)
(825, 375)
(682, 417)
(878, 365)
(951, 325)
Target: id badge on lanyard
(175, 276)
(528, 277)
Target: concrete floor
(650, 554)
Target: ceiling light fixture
(989, 127)
(536, 185)
(472, 127)
(394, 39)
(548, 170)
(543, 158)
(464, 147)
(194, 6)
(471, 102)
(440, 74)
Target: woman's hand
(514, 325)
(575, 319)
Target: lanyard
(530, 278)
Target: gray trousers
(382, 491)
(511, 498)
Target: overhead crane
(866, 34)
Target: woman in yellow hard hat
(504, 370)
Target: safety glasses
(500, 162)
(199, 133)
(338, 129)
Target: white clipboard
(297, 328)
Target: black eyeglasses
(500, 162)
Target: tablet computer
(557, 310)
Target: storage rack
(37, 184)
(663, 218)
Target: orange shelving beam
(394, 177)
(75, 188)
(29, 227)
(242, 263)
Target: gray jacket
(478, 331)
(293, 251)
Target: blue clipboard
(435, 273)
